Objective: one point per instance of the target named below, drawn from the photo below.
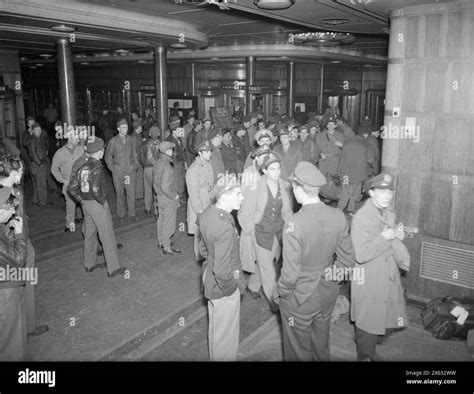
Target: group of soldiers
(253, 195)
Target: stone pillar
(291, 88)
(161, 88)
(250, 82)
(67, 88)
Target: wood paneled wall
(430, 77)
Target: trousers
(265, 275)
(29, 290)
(149, 198)
(366, 344)
(12, 325)
(306, 329)
(124, 183)
(71, 207)
(166, 223)
(97, 219)
(39, 176)
(224, 327)
(139, 183)
(180, 178)
(350, 194)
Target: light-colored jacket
(251, 213)
(377, 301)
(199, 180)
(63, 160)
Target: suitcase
(437, 317)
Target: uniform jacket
(229, 157)
(217, 162)
(191, 143)
(149, 152)
(310, 239)
(38, 150)
(251, 131)
(374, 144)
(222, 271)
(326, 144)
(242, 147)
(347, 131)
(89, 182)
(107, 122)
(138, 140)
(355, 160)
(310, 151)
(12, 253)
(289, 159)
(179, 153)
(251, 213)
(121, 157)
(378, 303)
(163, 179)
(199, 181)
(63, 160)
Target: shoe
(147, 213)
(78, 220)
(156, 217)
(67, 230)
(119, 246)
(99, 253)
(121, 220)
(160, 245)
(101, 265)
(119, 271)
(273, 307)
(171, 251)
(134, 218)
(39, 330)
(255, 294)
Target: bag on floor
(449, 317)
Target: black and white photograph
(235, 186)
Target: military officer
(306, 295)
(223, 279)
(330, 143)
(88, 189)
(290, 153)
(167, 197)
(377, 302)
(199, 181)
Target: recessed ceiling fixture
(335, 21)
(361, 2)
(178, 45)
(210, 92)
(274, 4)
(63, 28)
(33, 67)
(122, 51)
(335, 61)
(85, 63)
(46, 55)
(39, 64)
(324, 38)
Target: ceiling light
(324, 38)
(210, 92)
(284, 57)
(63, 28)
(274, 4)
(335, 21)
(39, 64)
(178, 45)
(335, 61)
(361, 2)
(85, 63)
(46, 55)
(33, 67)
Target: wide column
(161, 88)
(428, 142)
(291, 88)
(250, 82)
(67, 88)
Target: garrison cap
(30, 118)
(174, 119)
(272, 157)
(284, 131)
(154, 129)
(261, 150)
(121, 122)
(246, 118)
(203, 146)
(207, 120)
(137, 123)
(214, 133)
(254, 114)
(307, 174)
(383, 180)
(95, 145)
(331, 119)
(165, 146)
(189, 116)
(35, 125)
(262, 134)
(304, 127)
(5, 193)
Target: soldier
(88, 189)
(122, 160)
(290, 153)
(242, 146)
(180, 164)
(61, 167)
(344, 128)
(330, 143)
(377, 302)
(223, 279)
(167, 197)
(375, 143)
(13, 251)
(354, 167)
(137, 135)
(262, 138)
(308, 146)
(250, 128)
(149, 152)
(199, 180)
(203, 135)
(149, 120)
(188, 126)
(192, 138)
(106, 123)
(310, 239)
(262, 214)
(228, 152)
(217, 162)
